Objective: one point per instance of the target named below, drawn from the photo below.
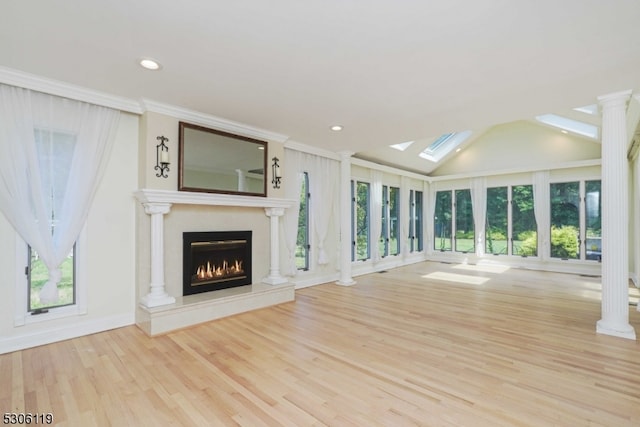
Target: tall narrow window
(465, 229)
(565, 220)
(593, 210)
(415, 220)
(394, 221)
(497, 225)
(361, 219)
(524, 240)
(55, 154)
(442, 221)
(302, 243)
(384, 236)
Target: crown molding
(66, 90)
(202, 119)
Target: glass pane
(302, 243)
(465, 229)
(593, 222)
(565, 220)
(523, 222)
(38, 275)
(442, 221)
(362, 221)
(418, 245)
(383, 244)
(497, 221)
(394, 223)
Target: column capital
(274, 211)
(346, 154)
(157, 208)
(615, 99)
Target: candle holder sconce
(275, 173)
(162, 157)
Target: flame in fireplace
(212, 271)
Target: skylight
(588, 109)
(574, 126)
(402, 146)
(443, 145)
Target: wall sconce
(162, 157)
(275, 173)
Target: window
(360, 195)
(465, 228)
(389, 242)
(383, 245)
(510, 218)
(37, 275)
(302, 243)
(454, 219)
(593, 222)
(497, 225)
(524, 229)
(415, 220)
(394, 221)
(573, 224)
(565, 220)
(55, 154)
(442, 221)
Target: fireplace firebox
(214, 260)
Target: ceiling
(388, 71)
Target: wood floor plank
(429, 344)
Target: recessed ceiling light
(458, 150)
(150, 64)
(564, 131)
(336, 128)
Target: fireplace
(215, 260)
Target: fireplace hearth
(215, 260)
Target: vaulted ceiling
(387, 71)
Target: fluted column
(274, 278)
(615, 218)
(345, 219)
(157, 294)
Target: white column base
(150, 301)
(274, 280)
(346, 283)
(616, 330)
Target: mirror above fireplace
(214, 161)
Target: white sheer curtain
(324, 175)
(292, 179)
(427, 221)
(431, 213)
(54, 151)
(376, 213)
(479, 209)
(405, 215)
(542, 212)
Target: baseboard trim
(62, 333)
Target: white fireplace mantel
(157, 203)
(210, 199)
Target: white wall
(519, 145)
(110, 261)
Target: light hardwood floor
(428, 344)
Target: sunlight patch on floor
(459, 278)
(498, 269)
